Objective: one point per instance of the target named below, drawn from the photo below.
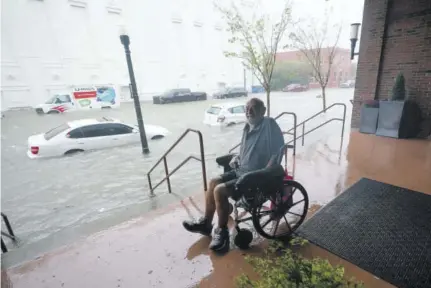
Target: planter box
(398, 119)
(390, 113)
(369, 118)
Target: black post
(352, 48)
(125, 40)
(245, 80)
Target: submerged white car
(225, 114)
(88, 134)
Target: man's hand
(234, 162)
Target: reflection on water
(44, 197)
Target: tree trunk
(324, 97)
(268, 104)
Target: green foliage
(399, 90)
(286, 73)
(256, 41)
(283, 268)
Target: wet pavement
(55, 201)
(155, 251)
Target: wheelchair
(268, 195)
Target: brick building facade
(396, 37)
(341, 70)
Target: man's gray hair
(259, 103)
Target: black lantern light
(354, 31)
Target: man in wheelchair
(260, 145)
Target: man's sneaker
(199, 226)
(220, 239)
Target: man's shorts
(229, 179)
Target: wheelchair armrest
(259, 177)
(224, 160)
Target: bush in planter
(283, 268)
(399, 118)
(399, 90)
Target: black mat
(381, 228)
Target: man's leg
(222, 192)
(204, 225)
(210, 205)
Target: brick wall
(406, 48)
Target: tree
(319, 50)
(257, 41)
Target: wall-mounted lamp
(354, 31)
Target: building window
(78, 3)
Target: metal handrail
(332, 119)
(287, 132)
(163, 158)
(10, 233)
(315, 128)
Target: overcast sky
(343, 12)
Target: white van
(80, 97)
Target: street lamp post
(354, 31)
(125, 40)
(245, 79)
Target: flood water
(77, 195)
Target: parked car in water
(348, 84)
(179, 95)
(230, 93)
(295, 88)
(225, 114)
(88, 134)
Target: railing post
(150, 185)
(3, 246)
(165, 163)
(294, 134)
(342, 129)
(204, 171)
(8, 226)
(303, 133)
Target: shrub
(283, 268)
(399, 90)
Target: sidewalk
(151, 251)
(155, 251)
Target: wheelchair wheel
(286, 210)
(243, 239)
(230, 208)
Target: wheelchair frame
(244, 236)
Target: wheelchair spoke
(276, 227)
(266, 223)
(294, 214)
(287, 222)
(264, 213)
(297, 202)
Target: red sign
(85, 94)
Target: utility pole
(125, 40)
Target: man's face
(254, 112)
